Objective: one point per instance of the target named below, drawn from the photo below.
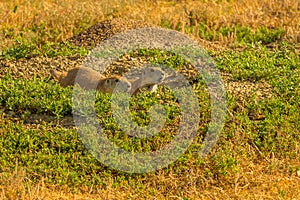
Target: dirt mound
(95, 34)
(37, 66)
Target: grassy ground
(255, 43)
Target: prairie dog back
(81, 74)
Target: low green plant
(37, 96)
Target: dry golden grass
(253, 181)
(17, 186)
(64, 18)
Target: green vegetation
(59, 155)
(37, 96)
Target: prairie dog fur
(88, 78)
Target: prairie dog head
(108, 85)
(152, 75)
(148, 78)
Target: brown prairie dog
(88, 78)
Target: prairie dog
(148, 79)
(88, 78)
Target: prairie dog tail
(56, 74)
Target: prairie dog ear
(56, 74)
